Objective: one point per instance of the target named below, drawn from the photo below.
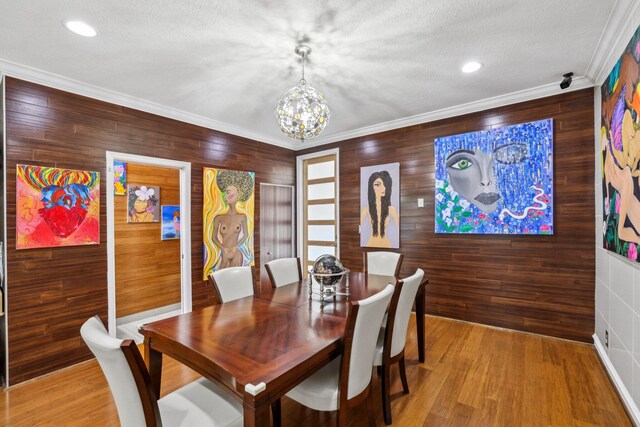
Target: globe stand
(328, 291)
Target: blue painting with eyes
(497, 181)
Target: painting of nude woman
(228, 219)
(620, 148)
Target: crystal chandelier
(302, 112)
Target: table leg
(154, 365)
(256, 416)
(420, 308)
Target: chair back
(384, 263)
(232, 283)
(284, 271)
(408, 291)
(134, 408)
(361, 335)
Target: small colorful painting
(56, 207)
(497, 181)
(119, 178)
(380, 191)
(170, 222)
(228, 205)
(620, 147)
(143, 203)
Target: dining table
(260, 347)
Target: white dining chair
(345, 382)
(383, 263)
(200, 403)
(233, 283)
(284, 271)
(392, 337)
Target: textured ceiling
(375, 60)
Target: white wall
(617, 300)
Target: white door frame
(299, 196)
(3, 255)
(185, 228)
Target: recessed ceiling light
(80, 28)
(471, 67)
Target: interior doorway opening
(148, 241)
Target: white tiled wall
(617, 296)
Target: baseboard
(146, 314)
(502, 328)
(627, 400)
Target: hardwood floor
(473, 376)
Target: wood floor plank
(473, 376)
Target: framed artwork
(497, 181)
(56, 207)
(380, 206)
(119, 178)
(620, 148)
(142, 203)
(228, 219)
(170, 222)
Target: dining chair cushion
(320, 390)
(233, 283)
(284, 271)
(383, 263)
(200, 403)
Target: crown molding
(621, 24)
(66, 84)
(458, 110)
(74, 86)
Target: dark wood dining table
(260, 347)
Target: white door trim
(185, 228)
(5, 301)
(299, 170)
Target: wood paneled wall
(52, 291)
(147, 268)
(541, 284)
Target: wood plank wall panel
(147, 268)
(52, 291)
(541, 284)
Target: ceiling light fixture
(471, 67)
(80, 28)
(302, 112)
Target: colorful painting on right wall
(620, 147)
(496, 181)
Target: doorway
(277, 225)
(144, 242)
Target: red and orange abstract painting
(56, 207)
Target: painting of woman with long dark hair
(379, 206)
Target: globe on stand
(328, 264)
